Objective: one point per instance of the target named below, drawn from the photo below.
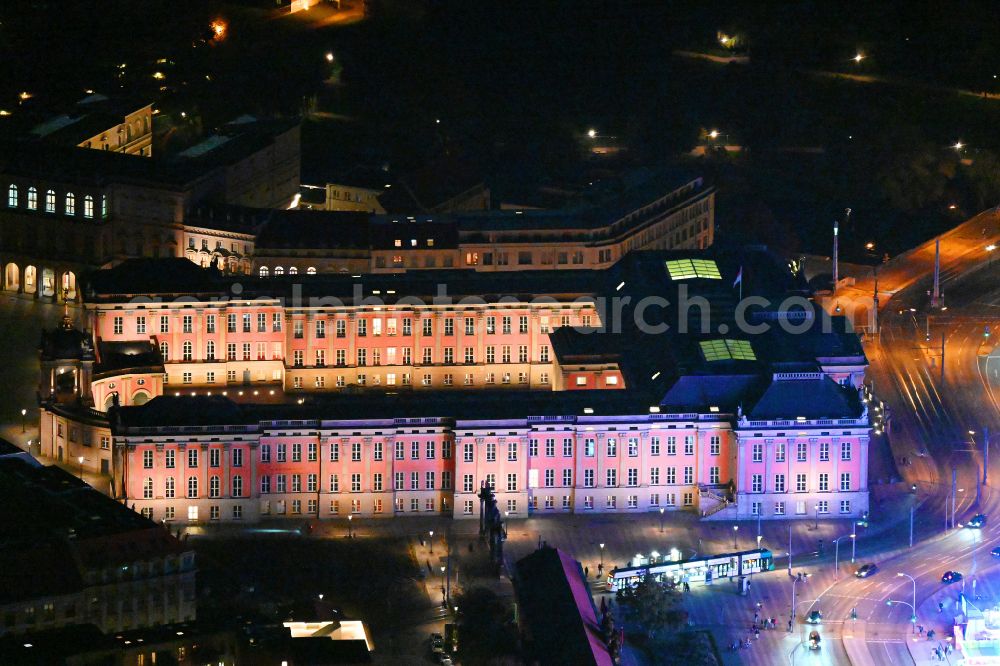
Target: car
(444, 660)
(977, 521)
(866, 570)
(815, 617)
(951, 577)
(437, 643)
(995, 552)
(814, 640)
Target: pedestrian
(789, 625)
(755, 617)
(586, 572)
(756, 632)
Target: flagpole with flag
(739, 280)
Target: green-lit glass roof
(727, 350)
(686, 269)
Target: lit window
(12, 196)
(50, 201)
(32, 199)
(70, 203)
(88, 206)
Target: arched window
(192, 486)
(165, 351)
(210, 350)
(278, 270)
(263, 271)
(104, 205)
(32, 199)
(88, 206)
(311, 270)
(12, 196)
(70, 203)
(292, 270)
(50, 201)
(186, 351)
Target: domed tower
(66, 357)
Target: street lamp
(854, 543)
(80, 460)
(836, 553)
(661, 521)
(444, 600)
(602, 555)
(791, 612)
(858, 58)
(736, 529)
(913, 618)
(592, 133)
(329, 57)
(430, 540)
(24, 413)
(350, 530)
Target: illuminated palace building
(636, 388)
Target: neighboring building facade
(100, 123)
(656, 214)
(66, 211)
(104, 564)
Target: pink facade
(556, 464)
(218, 345)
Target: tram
(696, 570)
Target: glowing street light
(991, 247)
(592, 133)
(714, 134)
(958, 145)
(80, 460)
(24, 413)
(858, 58)
(661, 514)
(736, 529)
(329, 57)
(430, 540)
(602, 555)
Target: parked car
(813, 640)
(444, 660)
(815, 617)
(977, 521)
(995, 552)
(951, 577)
(866, 570)
(437, 643)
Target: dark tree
(486, 630)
